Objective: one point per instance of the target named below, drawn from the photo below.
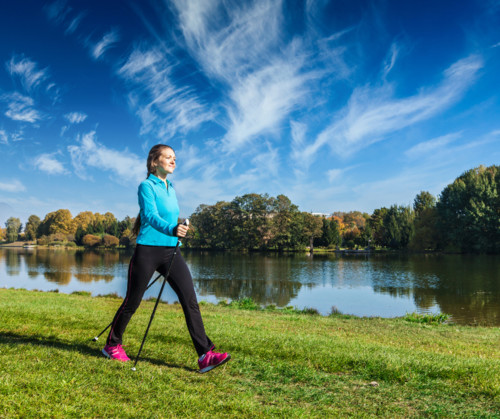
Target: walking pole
(186, 222)
(109, 325)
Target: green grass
(285, 363)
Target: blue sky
(340, 105)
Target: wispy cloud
(57, 10)
(298, 133)
(391, 60)
(265, 76)
(334, 174)
(27, 71)
(163, 107)
(427, 147)
(124, 166)
(262, 100)
(75, 117)
(74, 23)
(190, 157)
(21, 108)
(48, 163)
(12, 186)
(373, 113)
(4, 138)
(107, 41)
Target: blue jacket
(159, 213)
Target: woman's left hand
(181, 230)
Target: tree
(89, 240)
(312, 228)
(83, 220)
(31, 227)
(60, 221)
(330, 234)
(250, 216)
(110, 224)
(126, 224)
(398, 225)
(352, 237)
(13, 226)
(376, 223)
(469, 211)
(426, 233)
(127, 238)
(282, 212)
(426, 226)
(424, 200)
(212, 225)
(110, 241)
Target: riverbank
(284, 364)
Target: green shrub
(427, 318)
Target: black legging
(145, 261)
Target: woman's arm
(150, 211)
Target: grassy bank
(284, 364)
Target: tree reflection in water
(467, 287)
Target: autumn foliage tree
(89, 240)
(110, 241)
(60, 221)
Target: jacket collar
(157, 180)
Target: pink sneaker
(212, 360)
(115, 352)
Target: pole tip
(95, 339)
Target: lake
(385, 285)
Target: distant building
(321, 214)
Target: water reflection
(266, 279)
(467, 287)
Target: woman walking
(157, 233)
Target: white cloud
(4, 138)
(104, 44)
(20, 108)
(124, 165)
(262, 100)
(75, 117)
(12, 186)
(427, 147)
(334, 174)
(27, 71)
(75, 22)
(389, 64)
(189, 157)
(229, 49)
(374, 113)
(48, 163)
(163, 107)
(265, 77)
(298, 133)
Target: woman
(157, 233)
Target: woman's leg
(141, 268)
(182, 283)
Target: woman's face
(165, 165)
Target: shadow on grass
(40, 340)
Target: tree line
(465, 217)
(60, 228)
